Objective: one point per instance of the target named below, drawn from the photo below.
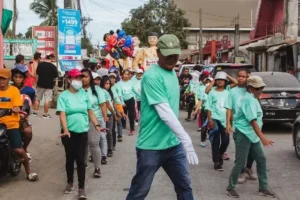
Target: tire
(297, 141)
(16, 165)
(4, 161)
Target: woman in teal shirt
(75, 111)
(128, 90)
(249, 138)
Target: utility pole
(84, 22)
(200, 37)
(70, 4)
(237, 36)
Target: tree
(46, 9)
(20, 36)
(86, 44)
(8, 34)
(28, 34)
(161, 16)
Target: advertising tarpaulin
(67, 65)
(69, 34)
(46, 39)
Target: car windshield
(281, 81)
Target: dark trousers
(191, 106)
(138, 103)
(203, 116)
(219, 141)
(173, 161)
(75, 147)
(114, 133)
(129, 109)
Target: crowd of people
(98, 102)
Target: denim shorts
(15, 138)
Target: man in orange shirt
(10, 98)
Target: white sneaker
(136, 123)
(242, 178)
(203, 144)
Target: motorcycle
(9, 161)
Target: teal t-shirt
(137, 87)
(117, 90)
(193, 86)
(127, 90)
(108, 99)
(158, 86)
(250, 110)
(201, 95)
(95, 102)
(76, 106)
(234, 101)
(215, 104)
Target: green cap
(169, 44)
(93, 60)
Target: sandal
(32, 177)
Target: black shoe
(97, 173)
(218, 167)
(104, 160)
(120, 139)
(266, 193)
(110, 153)
(221, 161)
(232, 193)
(187, 119)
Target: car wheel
(297, 141)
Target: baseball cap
(139, 71)
(255, 81)
(113, 74)
(169, 44)
(5, 73)
(74, 73)
(95, 75)
(205, 74)
(93, 60)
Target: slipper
(32, 177)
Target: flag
(7, 14)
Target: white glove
(167, 115)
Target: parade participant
(190, 94)
(128, 90)
(117, 90)
(232, 105)
(216, 114)
(106, 86)
(103, 71)
(132, 74)
(249, 138)
(46, 73)
(98, 103)
(162, 141)
(18, 78)
(137, 84)
(10, 98)
(75, 112)
(93, 64)
(201, 106)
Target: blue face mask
(77, 85)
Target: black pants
(249, 164)
(129, 109)
(203, 116)
(114, 133)
(191, 104)
(75, 151)
(138, 103)
(219, 140)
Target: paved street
(48, 162)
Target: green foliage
(86, 44)
(47, 10)
(28, 34)
(161, 16)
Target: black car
(230, 68)
(280, 100)
(296, 136)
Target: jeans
(75, 147)
(129, 108)
(219, 141)
(173, 161)
(249, 164)
(109, 137)
(243, 147)
(103, 139)
(203, 117)
(119, 127)
(93, 144)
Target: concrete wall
(292, 17)
(193, 37)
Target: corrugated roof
(219, 13)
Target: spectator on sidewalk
(46, 73)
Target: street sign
(13, 47)
(46, 39)
(69, 34)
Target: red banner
(46, 39)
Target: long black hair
(92, 84)
(102, 85)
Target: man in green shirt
(162, 141)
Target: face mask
(77, 85)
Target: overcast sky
(107, 15)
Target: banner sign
(14, 47)
(69, 34)
(67, 65)
(46, 39)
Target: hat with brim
(113, 75)
(255, 82)
(169, 44)
(74, 73)
(95, 75)
(5, 73)
(139, 71)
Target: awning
(67, 65)
(275, 48)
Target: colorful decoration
(118, 45)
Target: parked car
(280, 100)
(230, 68)
(296, 136)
